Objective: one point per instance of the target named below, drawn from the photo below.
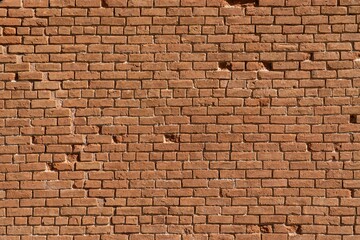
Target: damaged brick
(118, 139)
(353, 118)
(78, 184)
(172, 138)
(337, 147)
(73, 157)
(242, 2)
(187, 231)
(266, 228)
(225, 66)
(264, 102)
(309, 147)
(294, 229)
(311, 57)
(104, 4)
(268, 65)
(51, 166)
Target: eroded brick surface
(179, 119)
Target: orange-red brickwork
(179, 120)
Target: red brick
(121, 119)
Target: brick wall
(179, 119)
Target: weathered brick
(179, 119)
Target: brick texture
(179, 119)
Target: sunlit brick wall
(179, 120)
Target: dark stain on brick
(225, 65)
(172, 138)
(353, 118)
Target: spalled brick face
(179, 119)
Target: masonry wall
(179, 119)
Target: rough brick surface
(179, 119)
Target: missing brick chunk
(73, 157)
(242, 2)
(309, 147)
(51, 166)
(337, 147)
(264, 102)
(117, 139)
(78, 184)
(266, 228)
(172, 138)
(294, 229)
(225, 65)
(268, 65)
(298, 229)
(311, 57)
(353, 118)
(104, 4)
(187, 231)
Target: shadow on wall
(242, 2)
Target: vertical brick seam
(179, 119)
